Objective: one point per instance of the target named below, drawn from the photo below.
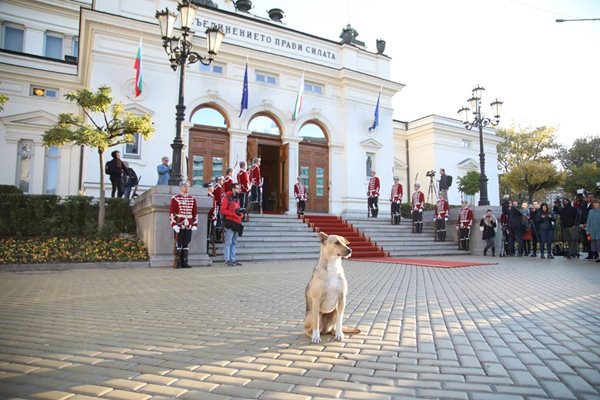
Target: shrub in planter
(10, 189)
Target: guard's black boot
(485, 251)
(493, 252)
(177, 263)
(374, 212)
(184, 259)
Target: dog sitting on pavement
(326, 291)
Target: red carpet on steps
(426, 263)
(361, 246)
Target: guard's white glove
(446, 219)
(434, 218)
(194, 228)
(176, 228)
(456, 227)
(420, 210)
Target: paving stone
(558, 390)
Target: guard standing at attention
(396, 199)
(417, 202)
(373, 195)
(183, 214)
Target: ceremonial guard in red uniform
(440, 217)
(256, 185)
(396, 200)
(301, 196)
(183, 214)
(417, 202)
(373, 195)
(464, 223)
(218, 193)
(244, 180)
(228, 180)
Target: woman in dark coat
(546, 230)
(488, 227)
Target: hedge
(71, 249)
(23, 216)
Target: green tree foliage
(531, 177)
(103, 124)
(526, 158)
(583, 150)
(584, 177)
(469, 183)
(3, 100)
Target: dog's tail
(347, 329)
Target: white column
(238, 142)
(293, 170)
(338, 192)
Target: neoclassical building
(49, 48)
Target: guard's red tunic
(465, 218)
(397, 192)
(227, 182)
(417, 200)
(255, 175)
(373, 190)
(183, 211)
(300, 192)
(441, 209)
(244, 180)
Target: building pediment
(136, 108)
(371, 144)
(40, 118)
(468, 164)
(399, 164)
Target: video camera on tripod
(430, 174)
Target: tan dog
(326, 291)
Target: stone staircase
(362, 247)
(274, 237)
(399, 241)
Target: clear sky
(547, 73)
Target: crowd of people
(563, 229)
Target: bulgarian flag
(138, 71)
(298, 104)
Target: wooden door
(251, 151)
(314, 170)
(208, 154)
(284, 173)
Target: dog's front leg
(316, 328)
(341, 306)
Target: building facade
(50, 48)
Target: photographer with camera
(445, 183)
(232, 213)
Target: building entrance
(273, 169)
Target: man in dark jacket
(114, 169)
(568, 223)
(515, 220)
(535, 218)
(130, 179)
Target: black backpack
(449, 180)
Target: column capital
(239, 133)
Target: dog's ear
(323, 237)
(344, 240)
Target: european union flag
(245, 92)
(376, 116)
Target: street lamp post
(179, 51)
(480, 121)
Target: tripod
(432, 191)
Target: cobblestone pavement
(521, 329)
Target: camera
(430, 174)
(241, 211)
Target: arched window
(264, 124)
(312, 132)
(210, 117)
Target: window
(217, 163)
(24, 165)
(133, 149)
(266, 78)
(53, 47)
(466, 144)
(214, 68)
(320, 181)
(75, 47)
(197, 170)
(13, 38)
(209, 116)
(312, 132)
(264, 124)
(370, 164)
(40, 91)
(315, 88)
(304, 174)
(51, 170)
